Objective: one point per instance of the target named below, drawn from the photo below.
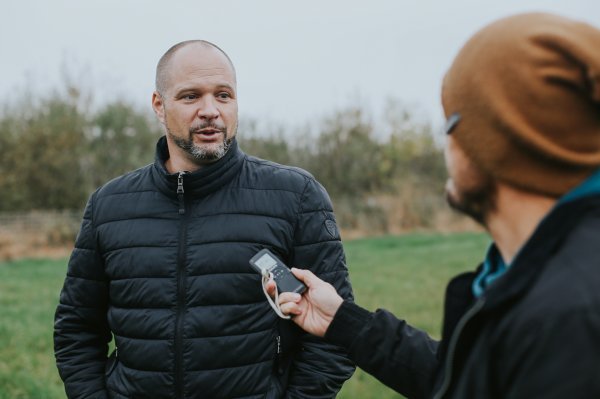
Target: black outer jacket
(535, 333)
(168, 275)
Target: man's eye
(190, 97)
(223, 96)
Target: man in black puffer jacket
(161, 261)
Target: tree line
(381, 174)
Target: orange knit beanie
(527, 89)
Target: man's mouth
(208, 131)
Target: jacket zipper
(180, 192)
(452, 347)
(278, 345)
(181, 276)
(278, 357)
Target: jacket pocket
(275, 390)
(111, 363)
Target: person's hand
(314, 310)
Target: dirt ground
(16, 245)
(52, 235)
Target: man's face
(468, 189)
(198, 106)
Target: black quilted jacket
(161, 263)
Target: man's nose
(208, 109)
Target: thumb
(306, 276)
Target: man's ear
(159, 106)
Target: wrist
(337, 303)
(346, 324)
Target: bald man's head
(162, 68)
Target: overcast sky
(296, 61)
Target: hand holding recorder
(314, 310)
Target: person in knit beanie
(522, 101)
(526, 90)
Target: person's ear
(158, 106)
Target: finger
(289, 297)
(271, 288)
(290, 308)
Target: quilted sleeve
(81, 332)
(319, 369)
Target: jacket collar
(201, 182)
(548, 236)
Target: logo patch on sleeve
(331, 228)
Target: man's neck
(515, 218)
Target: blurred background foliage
(384, 175)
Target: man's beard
(202, 153)
(477, 202)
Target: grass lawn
(29, 292)
(404, 274)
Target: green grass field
(405, 274)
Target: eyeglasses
(451, 122)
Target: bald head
(164, 64)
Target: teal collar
(493, 267)
(590, 186)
